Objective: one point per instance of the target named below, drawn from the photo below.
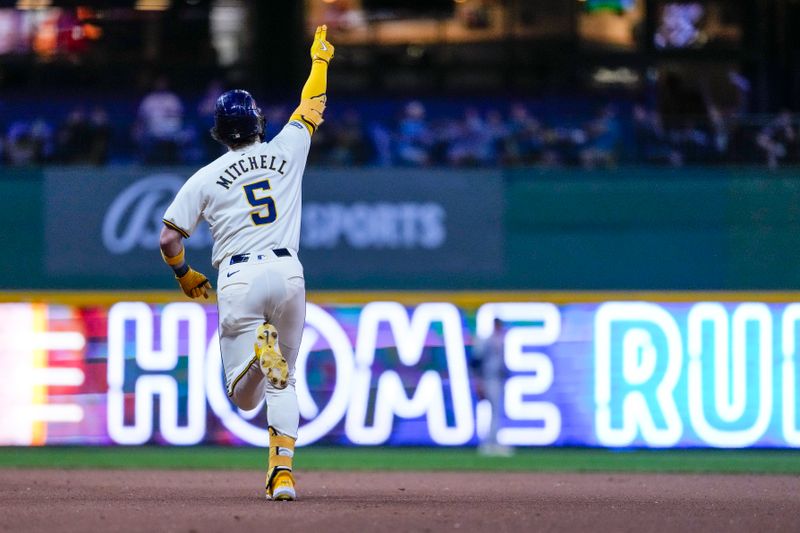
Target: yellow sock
(281, 453)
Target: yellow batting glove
(194, 284)
(310, 112)
(321, 49)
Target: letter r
(638, 361)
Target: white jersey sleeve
(185, 211)
(294, 140)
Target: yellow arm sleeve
(317, 82)
(314, 90)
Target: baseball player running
(251, 198)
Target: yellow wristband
(174, 261)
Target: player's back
(251, 197)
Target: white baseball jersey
(250, 197)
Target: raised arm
(314, 95)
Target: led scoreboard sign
(618, 374)
(136, 369)
(712, 376)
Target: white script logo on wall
(133, 219)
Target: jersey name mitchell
(251, 197)
(235, 170)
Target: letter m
(391, 400)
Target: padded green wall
(632, 228)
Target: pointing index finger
(324, 32)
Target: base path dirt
(200, 501)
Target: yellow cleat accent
(282, 487)
(272, 362)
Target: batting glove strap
(181, 270)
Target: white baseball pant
(265, 288)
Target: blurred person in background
(29, 143)
(603, 137)
(477, 143)
(71, 137)
(159, 127)
(689, 137)
(381, 138)
(719, 132)
(525, 140)
(498, 133)
(651, 143)
(100, 136)
(470, 147)
(20, 149)
(565, 144)
(349, 146)
(414, 139)
(778, 140)
(84, 139)
(489, 361)
(43, 140)
(445, 131)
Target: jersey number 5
(261, 202)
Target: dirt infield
(201, 501)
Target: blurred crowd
(601, 139)
(166, 130)
(716, 139)
(474, 139)
(82, 138)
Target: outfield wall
(584, 369)
(638, 228)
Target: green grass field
(463, 459)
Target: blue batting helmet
(237, 118)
